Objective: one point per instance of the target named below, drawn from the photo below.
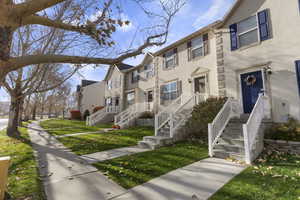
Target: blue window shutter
(263, 21)
(233, 37)
(298, 74)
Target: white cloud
(95, 16)
(215, 11)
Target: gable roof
(230, 12)
(120, 67)
(188, 37)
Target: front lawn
(132, 170)
(91, 143)
(62, 127)
(275, 176)
(24, 182)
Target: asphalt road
(3, 123)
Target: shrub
(289, 131)
(147, 115)
(75, 114)
(97, 108)
(204, 113)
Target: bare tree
(35, 78)
(100, 29)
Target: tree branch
(33, 6)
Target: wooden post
(4, 165)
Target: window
(247, 31)
(197, 47)
(135, 76)
(130, 98)
(149, 70)
(251, 30)
(170, 91)
(170, 59)
(150, 96)
(108, 101)
(109, 85)
(117, 101)
(298, 74)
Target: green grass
(91, 143)
(129, 171)
(276, 176)
(24, 182)
(62, 127)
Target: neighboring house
(90, 95)
(251, 57)
(258, 41)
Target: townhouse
(251, 56)
(85, 91)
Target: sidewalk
(111, 154)
(65, 175)
(197, 181)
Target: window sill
(249, 46)
(197, 58)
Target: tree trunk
(13, 121)
(21, 110)
(34, 111)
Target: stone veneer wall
(285, 146)
(220, 64)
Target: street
(3, 123)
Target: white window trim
(197, 47)
(170, 92)
(168, 58)
(245, 32)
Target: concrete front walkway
(110, 154)
(65, 175)
(197, 181)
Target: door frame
(240, 84)
(206, 76)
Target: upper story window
(198, 47)
(109, 84)
(170, 59)
(130, 97)
(149, 70)
(135, 76)
(251, 30)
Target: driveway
(3, 123)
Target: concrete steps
(154, 142)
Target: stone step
(233, 141)
(223, 154)
(233, 133)
(147, 145)
(156, 139)
(230, 148)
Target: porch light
(189, 80)
(268, 70)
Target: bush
(289, 131)
(97, 108)
(204, 113)
(147, 115)
(75, 114)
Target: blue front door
(252, 85)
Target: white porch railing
(163, 117)
(254, 145)
(125, 117)
(183, 112)
(100, 114)
(215, 129)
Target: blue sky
(194, 15)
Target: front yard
(275, 176)
(59, 127)
(129, 171)
(24, 181)
(94, 142)
(91, 143)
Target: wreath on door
(250, 80)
